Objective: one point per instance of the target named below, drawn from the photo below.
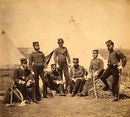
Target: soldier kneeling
(24, 81)
(54, 81)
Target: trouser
(89, 83)
(31, 91)
(38, 71)
(23, 90)
(63, 68)
(111, 70)
(75, 86)
(54, 86)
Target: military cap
(23, 61)
(53, 65)
(76, 59)
(60, 40)
(97, 51)
(109, 42)
(35, 42)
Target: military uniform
(22, 75)
(37, 63)
(76, 77)
(96, 65)
(60, 57)
(115, 56)
(55, 82)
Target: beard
(76, 66)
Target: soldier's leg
(61, 88)
(72, 84)
(36, 77)
(104, 77)
(33, 91)
(66, 73)
(77, 85)
(60, 70)
(88, 85)
(44, 81)
(115, 87)
(23, 90)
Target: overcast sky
(46, 20)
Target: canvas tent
(9, 54)
(77, 43)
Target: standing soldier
(61, 56)
(37, 64)
(96, 69)
(114, 68)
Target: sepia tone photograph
(64, 58)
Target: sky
(45, 21)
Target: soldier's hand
(120, 68)
(69, 65)
(45, 66)
(95, 74)
(57, 66)
(21, 82)
(32, 72)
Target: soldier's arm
(31, 61)
(84, 71)
(55, 56)
(68, 57)
(44, 61)
(122, 57)
(101, 67)
(71, 73)
(15, 75)
(90, 67)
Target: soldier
(55, 81)
(96, 69)
(37, 64)
(21, 77)
(61, 56)
(77, 73)
(116, 63)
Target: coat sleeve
(84, 71)
(122, 57)
(71, 72)
(90, 67)
(15, 75)
(31, 61)
(44, 60)
(101, 66)
(68, 57)
(55, 56)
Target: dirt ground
(69, 107)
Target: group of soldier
(27, 78)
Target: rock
(99, 90)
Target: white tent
(9, 54)
(77, 43)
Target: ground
(70, 107)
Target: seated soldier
(96, 69)
(23, 80)
(55, 82)
(77, 74)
